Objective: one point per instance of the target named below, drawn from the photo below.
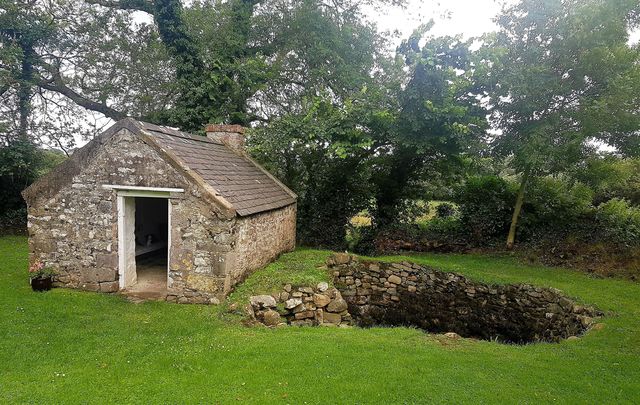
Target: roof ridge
(177, 133)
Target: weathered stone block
(394, 279)
(271, 318)
(205, 283)
(299, 308)
(292, 303)
(304, 315)
(262, 301)
(109, 287)
(337, 305)
(98, 275)
(321, 300)
(332, 318)
(90, 286)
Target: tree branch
(139, 5)
(58, 86)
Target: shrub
(486, 204)
(13, 221)
(361, 239)
(611, 177)
(409, 211)
(554, 207)
(445, 210)
(618, 222)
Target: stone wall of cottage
(76, 232)
(380, 293)
(262, 238)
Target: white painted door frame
(125, 197)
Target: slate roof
(242, 182)
(228, 177)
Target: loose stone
(292, 303)
(263, 301)
(271, 318)
(337, 305)
(321, 300)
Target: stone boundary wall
(301, 306)
(380, 293)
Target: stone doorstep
(142, 296)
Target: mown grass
(73, 347)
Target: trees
(68, 57)
(373, 149)
(439, 120)
(564, 80)
(325, 155)
(315, 80)
(236, 61)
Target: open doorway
(144, 239)
(151, 244)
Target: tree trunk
(392, 186)
(24, 91)
(517, 209)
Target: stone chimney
(230, 135)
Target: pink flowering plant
(38, 270)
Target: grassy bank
(70, 346)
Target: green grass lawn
(71, 346)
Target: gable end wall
(76, 232)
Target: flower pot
(41, 283)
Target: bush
(554, 208)
(13, 221)
(361, 239)
(21, 163)
(618, 222)
(446, 231)
(486, 204)
(445, 210)
(409, 211)
(611, 177)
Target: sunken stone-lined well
(380, 293)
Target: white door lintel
(138, 191)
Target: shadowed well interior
(151, 236)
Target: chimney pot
(230, 135)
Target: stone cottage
(149, 209)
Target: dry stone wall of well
(380, 293)
(321, 305)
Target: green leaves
(564, 79)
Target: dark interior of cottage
(151, 236)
